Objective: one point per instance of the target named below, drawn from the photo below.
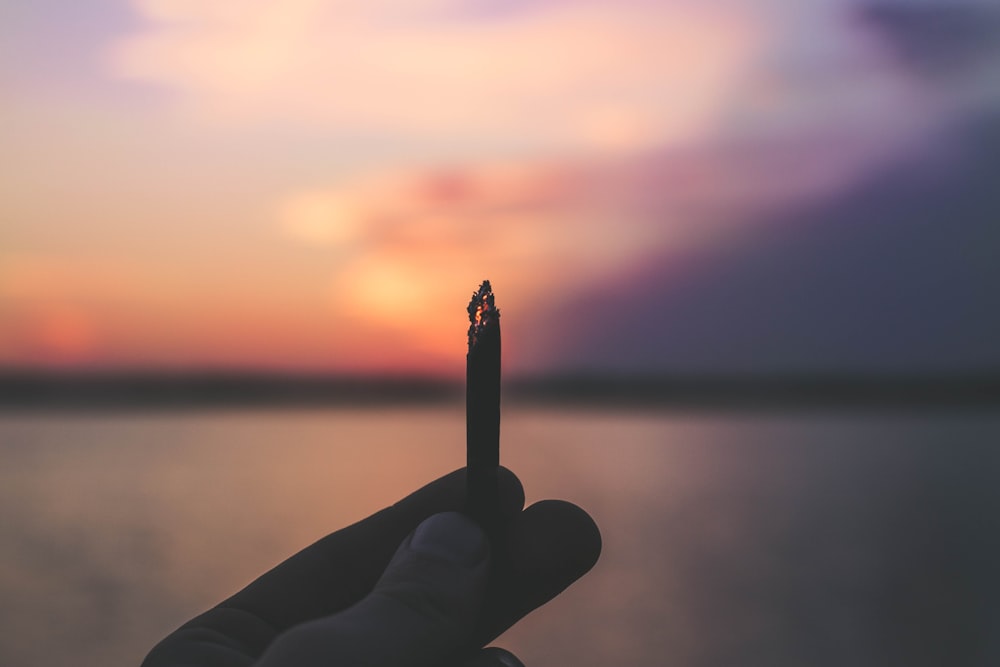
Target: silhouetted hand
(415, 585)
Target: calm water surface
(729, 540)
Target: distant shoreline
(32, 390)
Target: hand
(415, 585)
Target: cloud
(562, 74)
(415, 235)
(896, 273)
(550, 78)
(937, 40)
(405, 245)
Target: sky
(319, 185)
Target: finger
(543, 550)
(491, 657)
(422, 608)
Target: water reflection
(821, 540)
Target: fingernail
(508, 660)
(498, 656)
(451, 536)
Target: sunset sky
(320, 184)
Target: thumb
(420, 612)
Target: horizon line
(34, 389)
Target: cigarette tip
(483, 312)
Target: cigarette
(482, 408)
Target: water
(753, 540)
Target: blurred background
(746, 256)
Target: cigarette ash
(483, 313)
